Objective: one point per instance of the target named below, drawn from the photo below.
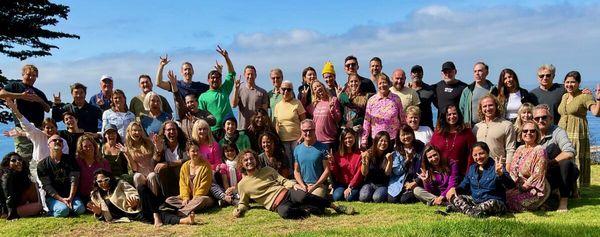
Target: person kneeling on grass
(487, 181)
(276, 193)
(113, 199)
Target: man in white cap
(102, 99)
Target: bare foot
(562, 206)
(157, 220)
(189, 220)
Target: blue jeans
(338, 194)
(373, 193)
(59, 209)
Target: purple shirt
(441, 182)
(383, 114)
(86, 177)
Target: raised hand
(10, 104)
(331, 105)
(99, 101)
(424, 175)
(56, 98)
(237, 83)
(172, 78)
(218, 67)
(121, 147)
(93, 208)
(157, 140)
(305, 90)
(499, 165)
(222, 52)
(389, 157)
(338, 91)
(13, 133)
(164, 61)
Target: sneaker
(348, 210)
(451, 208)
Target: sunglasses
(529, 131)
(286, 89)
(541, 118)
(544, 75)
(56, 140)
(15, 160)
(104, 180)
(351, 64)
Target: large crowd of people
(494, 147)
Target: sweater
(201, 184)
(263, 187)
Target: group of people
(494, 147)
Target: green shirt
(217, 101)
(242, 142)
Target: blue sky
(126, 38)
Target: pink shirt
(212, 153)
(326, 119)
(383, 114)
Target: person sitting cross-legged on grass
(487, 181)
(376, 168)
(276, 193)
(438, 175)
(113, 199)
(18, 195)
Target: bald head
(398, 79)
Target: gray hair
(288, 82)
(147, 100)
(307, 121)
(549, 67)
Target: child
(227, 193)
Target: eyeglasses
(351, 65)
(15, 160)
(545, 75)
(541, 118)
(529, 131)
(286, 89)
(104, 180)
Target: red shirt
(455, 146)
(346, 169)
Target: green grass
(583, 219)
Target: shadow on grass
(590, 196)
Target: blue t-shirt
(310, 160)
(152, 125)
(194, 87)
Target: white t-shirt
(513, 105)
(172, 155)
(424, 134)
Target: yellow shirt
(286, 115)
(408, 96)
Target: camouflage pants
(23, 147)
(465, 204)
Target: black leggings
(150, 204)
(299, 204)
(563, 176)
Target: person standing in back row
(248, 98)
(426, 95)
(449, 89)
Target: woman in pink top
(384, 112)
(326, 113)
(89, 160)
(208, 146)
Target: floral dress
(528, 171)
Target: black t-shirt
(33, 111)
(426, 96)
(71, 139)
(366, 86)
(87, 116)
(551, 97)
(194, 87)
(57, 177)
(447, 94)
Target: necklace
(453, 142)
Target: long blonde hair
(196, 132)
(143, 146)
(526, 107)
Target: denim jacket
(488, 186)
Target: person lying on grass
(276, 193)
(113, 199)
(487, 180)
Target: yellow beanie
(328, 68)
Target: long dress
(573, 121)
(528, 170)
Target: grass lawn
(583, 219)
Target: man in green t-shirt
(216, 99)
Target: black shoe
(12, 214)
